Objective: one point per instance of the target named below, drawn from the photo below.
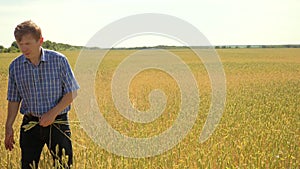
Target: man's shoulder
(53, 53)
(54, 56)
(18, 59)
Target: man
(43, 83)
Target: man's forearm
(12, 112)
(49, 117)
(64, 102)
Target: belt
(34, 118)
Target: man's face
(29, 46)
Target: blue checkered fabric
(40, 88)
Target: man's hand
(9, 138)
(12, 111)
(47, 119)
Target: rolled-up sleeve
(13, 94)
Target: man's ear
(41, 40)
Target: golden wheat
(259, 127)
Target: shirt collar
(43, 57)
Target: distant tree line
(12, 49)
(63, 47)
(205, 47)
(47, 45)
(59, 46)
(257, 46)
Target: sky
(222, 22)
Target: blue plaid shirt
(41, 87)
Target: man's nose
(24, 48)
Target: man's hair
(27, 27)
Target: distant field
(260, 127)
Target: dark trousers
(55, 136)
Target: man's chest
(44, 76)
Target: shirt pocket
(52, 88)
(25, 83)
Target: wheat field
(259, 127)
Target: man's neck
(36, 60)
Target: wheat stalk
(31, 124)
